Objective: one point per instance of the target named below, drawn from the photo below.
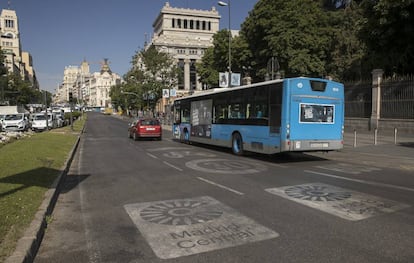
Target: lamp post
(221, 3)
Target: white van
(15, 122)
(39, 121)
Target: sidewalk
(358, 139)
(384, 152)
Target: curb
(28, 245)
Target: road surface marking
(362, 181)
(225, 166)
(221, 186)
(340, 202)
(183, 227)
(173, 166)
(152, 156)
(348, 168)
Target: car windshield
(13, 117)
(150, 122)
(39, 117)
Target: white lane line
(153, 156)
(221, 186)
(173, 166)
(363, 181)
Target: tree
(387, 29)
(208, 74)
(299, 40)
(345, 56)
(216, 58)
(151, 72)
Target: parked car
(60, 120)
(145, 128)
(39, 121)
(1, 121)
(16, 122)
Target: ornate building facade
(89, 89)
(185, 34)
(16, 61)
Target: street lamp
(221, 3)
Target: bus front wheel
(237, 144)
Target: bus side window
(185, 115)
(220, 113)
(177, 118)
(248, 110)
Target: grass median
(28, 168)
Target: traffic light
(70, 97)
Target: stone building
(185, 34)
(89, 89)
(16, 61)
(99, 86)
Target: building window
(191, 24)
(204, 25)
(185, 23)
(197, 24)
(9, 23)
(179, 23)
(209, 26)
(173, 23)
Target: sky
(59, 33)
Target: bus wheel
(237, 144)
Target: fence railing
(358, 99)
(396, 98)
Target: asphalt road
(162, 201)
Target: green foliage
(388, 27)
(342, 39)
(299, 40)
(75, 115)
(151, 72)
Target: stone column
(377, 75)
(187, 74)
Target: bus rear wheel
(237, 144)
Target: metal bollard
(355, 138)
(395, 135)
(375, 136)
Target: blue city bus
(293, 114)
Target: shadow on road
(71, 181)
(407, 144)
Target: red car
(145, 128)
